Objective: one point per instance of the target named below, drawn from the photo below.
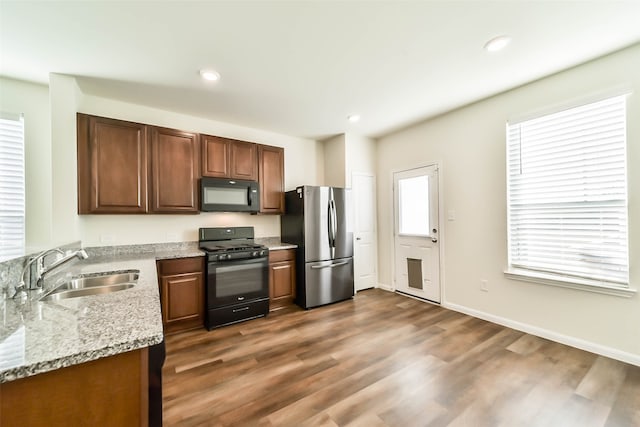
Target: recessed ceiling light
(497, 43)
(353, 118)
(210, 75)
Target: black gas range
(237, 285)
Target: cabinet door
(244, 161)
(216, 154)
(282, 278)
(175, 159)
(182, 301)
(112, 166)
(271, 178)
(107, 392)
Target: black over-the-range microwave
(229, 195)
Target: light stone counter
(40, 336)
(274, 243)
(37, 337)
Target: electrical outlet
(484, 285)
(451, 215)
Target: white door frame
(441, 231)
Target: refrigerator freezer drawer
(326, 282)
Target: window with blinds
(567, 194)
(12, 186)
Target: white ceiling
(301, 67)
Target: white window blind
(12, 187)
(567, 194)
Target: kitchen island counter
(37, 337)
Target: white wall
(334, 161)
(470, 143)
(360, 155)
(33, 101)
(347, 153)
(64, 97)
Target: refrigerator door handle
(337, 264)
(329, 225)
(334, 222)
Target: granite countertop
(274, 243)
(37, 336)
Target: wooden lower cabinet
(282, 278)
(181, 283)
(111, 391)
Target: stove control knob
(223, 256)
(254, 253)
(263, 252)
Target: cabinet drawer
(282, 255)
(168, 267)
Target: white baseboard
(385, 287)
(602, 350)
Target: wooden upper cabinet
(229, 158)
(244, 161)
(175, 169)
(126, 167)
(271, 172)
(215, 156)
(112, 166)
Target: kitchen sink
(93, 284)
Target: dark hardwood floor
(382, 359)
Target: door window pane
(413, 203)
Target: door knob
(434, 240)
(357, 238)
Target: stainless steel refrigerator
(318, 220)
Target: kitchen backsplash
(147, 248)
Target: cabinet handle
(235, 310)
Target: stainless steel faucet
(35, 279)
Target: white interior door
(417, 251)
(365, 249)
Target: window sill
(573, 283)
